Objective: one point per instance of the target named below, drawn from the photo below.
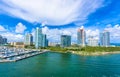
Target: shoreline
(87, 51)
(84, 53)
(59, 51)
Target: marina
(16, 54)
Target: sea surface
(52, 64)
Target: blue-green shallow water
(63, 65)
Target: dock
(20, 57)
(15, 56)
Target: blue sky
(59, 17)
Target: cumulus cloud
(2, 28)
(20, 28)
(55, 12)
(13, 37)
(114, 32)
(54, 34)
(94, 33)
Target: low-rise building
(92, 41)
(17, 44)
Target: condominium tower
(40, 39)
(28, 40)
(105, 38)
(81, 37)
(65, 40)
(3, 40)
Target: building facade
(81, 37)
(44, 41)
(40, 39)
(3, 41)
(28, 40)
(65, 40)
(17, 44)
(105, 39)
(92, 41)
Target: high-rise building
(40, 39)
(28, 40)
(3, 40)
(105, 39)
(92, 41)
(65, 40)
(81, 37)
(44, 41)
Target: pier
(13, 54)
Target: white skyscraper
(40, 39)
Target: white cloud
(94, 33)
(12, 37)
(65, 32)
(2, 28)
(55, 12)
(114, 32)
(54, 34)
(20, 28)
